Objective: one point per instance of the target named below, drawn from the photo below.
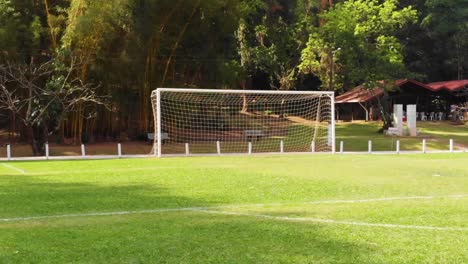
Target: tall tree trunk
(178, 40)
(150, 68)
(53, 36)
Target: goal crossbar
(181, 90)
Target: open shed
(362, 104)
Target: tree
(359, 41)
(270, 39)
(361, 35)
(448, 22)
(41, 95)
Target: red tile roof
(451, 86)
(359, 95)
(401, 82)
(362, 95)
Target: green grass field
(259, 209)
(356, 135)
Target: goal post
(222, 122)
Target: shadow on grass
(24, 196)
(185, 238)
(174, 237)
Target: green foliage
(448, 20)
(9, 24)
(93, 24)
(271, 45)
(133, 46)
(357, 43)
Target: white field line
(100, 214)
(331, 221)
(11, 167)
(124, 170)
(371, 200)
(163, 210)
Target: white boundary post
(424, 146)
(47, 150)
(312, 147)
(332, 97)
(83, 150)
(218, 147)
(451, 146)
(398, 146)
(281, 146)
(159, 134)
(187, 149)
(341, 147)
(250, 148)
(119, 150)
(8, 151)
(369, 146)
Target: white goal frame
(158, 137)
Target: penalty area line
(208, 208)
(331, 221)
(11, 167)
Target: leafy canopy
(357, 43)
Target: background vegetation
(123, 49)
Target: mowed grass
(259, 209)
(356, 135)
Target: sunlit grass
(356, 135)
(285, 184)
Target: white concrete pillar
(398, 118)
(119, 150)
(411, 119)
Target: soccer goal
(223, 122)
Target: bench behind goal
(221, 122)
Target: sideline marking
(123, 170)
(200, 209)
(11, 167)
(338, 222)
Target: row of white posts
(218, 148)
(47, 151)
(424, 146)
(249, 149)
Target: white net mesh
(195, 121)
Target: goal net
(220, 122)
